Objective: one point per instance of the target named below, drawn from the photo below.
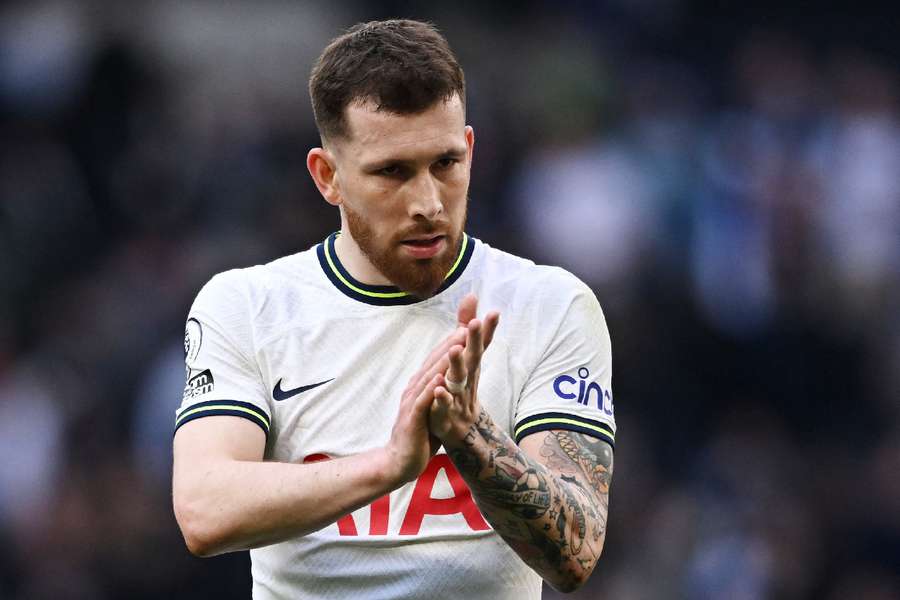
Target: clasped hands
(440, 402)
(455, 406)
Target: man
(341, 418)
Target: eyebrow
(456, 153)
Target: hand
(455, 407)
(411, 443)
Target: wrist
(387, 468)
(453, 441)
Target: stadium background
(727, 180)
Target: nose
(425, 198)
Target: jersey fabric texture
(319, 361)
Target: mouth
(424, 246)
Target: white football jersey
(319, 361)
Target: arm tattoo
(552, 514)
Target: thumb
(422, 404)
(468, 308)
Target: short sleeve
(570, 386)
(221, 373)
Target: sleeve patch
(569, 422)
(199, 384)
(193, 338)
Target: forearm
(555, 522)
(224, 505)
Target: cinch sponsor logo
(587, 394)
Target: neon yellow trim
(462, 251)
(602, 430)
(190, 412)
(353, 287)
(334, 270)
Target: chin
(421, 278)
(421, 288)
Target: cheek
(460, 180)
(368, 198)
(456, 191)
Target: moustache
(430, 228)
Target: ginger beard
(419, 277)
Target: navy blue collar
(384, 295)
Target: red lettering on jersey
(378, 510)
(423, 504)
(378, 515)
(346, 524)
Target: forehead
(381, 134)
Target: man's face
(403, 181)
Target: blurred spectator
(731, 192)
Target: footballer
(352, 415)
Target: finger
(474, 346)
(438, 419)
(467, 310)
(442, 400)
(426, 397)
(457, 337)
(437, 369)
(490, 326)
(440, 351)
(457, 368)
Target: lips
(423, 241)
(424, 247)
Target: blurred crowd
(730, 190)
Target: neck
(356, 262)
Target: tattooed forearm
(467, 463)
(526, 494)
(551, 512)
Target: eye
(389, 171)
(446, 163)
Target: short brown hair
(403, 66)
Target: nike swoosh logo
(280, 394)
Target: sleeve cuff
(232, 408)
(568, 422)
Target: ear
(321, 165)
(470, 142)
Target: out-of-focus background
(726, 179)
